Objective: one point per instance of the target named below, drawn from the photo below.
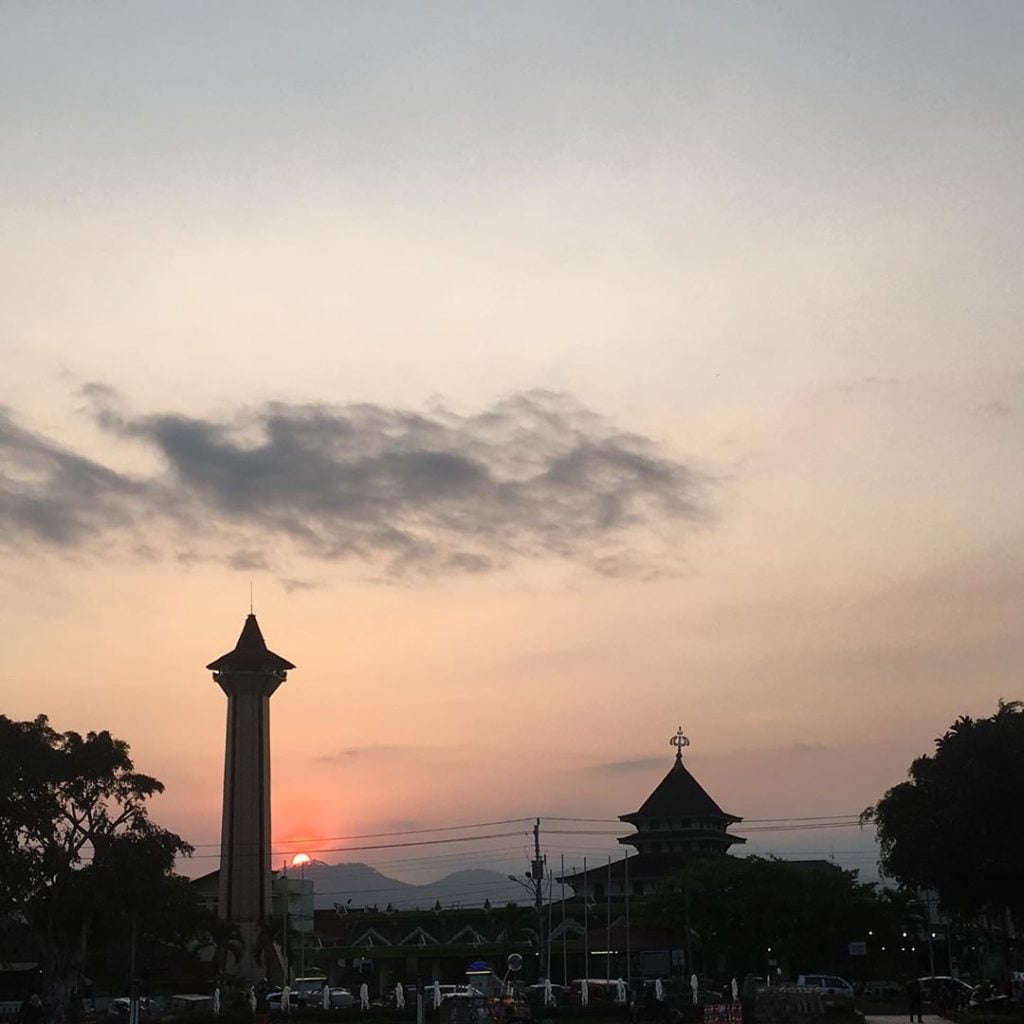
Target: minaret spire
(679, 741)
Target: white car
(454, 992)
(836, 993)
(342, 999)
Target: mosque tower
(248, 675)
(678, 821)
(679, 818)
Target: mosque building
(679, 820)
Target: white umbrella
(286, 1000)
(252, 1000)
(620, 991)
(549, 993)
(216, 1001)
(326, 998)
(584, 993)
(695, 988)
(399, 997)
(659, 990)
(735, 990)
(437, 994)
(364, 996)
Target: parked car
(942, 991)
(120, 1007)
(308, 991)
(458, 992)
(342, 999)
(836, 993)
(188, 1003)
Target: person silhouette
(915, 1000)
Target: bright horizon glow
(301, 860)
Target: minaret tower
(248, 675)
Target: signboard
(858, 949)
(723, 1013)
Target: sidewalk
(902, 1018)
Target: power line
(806, 824)
(385, 835)
(381, 846)
(805, 827)
(758, 821)
(513, 821)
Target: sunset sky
(558, 374)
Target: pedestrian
(915, 1000)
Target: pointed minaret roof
(679, 794)
(250, 653)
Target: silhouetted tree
(955, 826)
(79, 855)
(738, 908)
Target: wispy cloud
(292, 585)
(536, 475)
(373, 751)
(636, 764)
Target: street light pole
(302, 859)
(284, 941)
(302, 904)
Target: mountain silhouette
(356, 886)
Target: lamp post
(300, 860)
(284, 939)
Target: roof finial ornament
(679, 741)
(252, 610)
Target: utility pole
(537, 875)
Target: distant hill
(359, 885)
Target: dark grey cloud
(636, 764)
(53, 496)
(536, 475)
(248, 561)
(291, 585)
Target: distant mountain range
(359, 885)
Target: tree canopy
(740, 907)
(79, 854)
(955, 826)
